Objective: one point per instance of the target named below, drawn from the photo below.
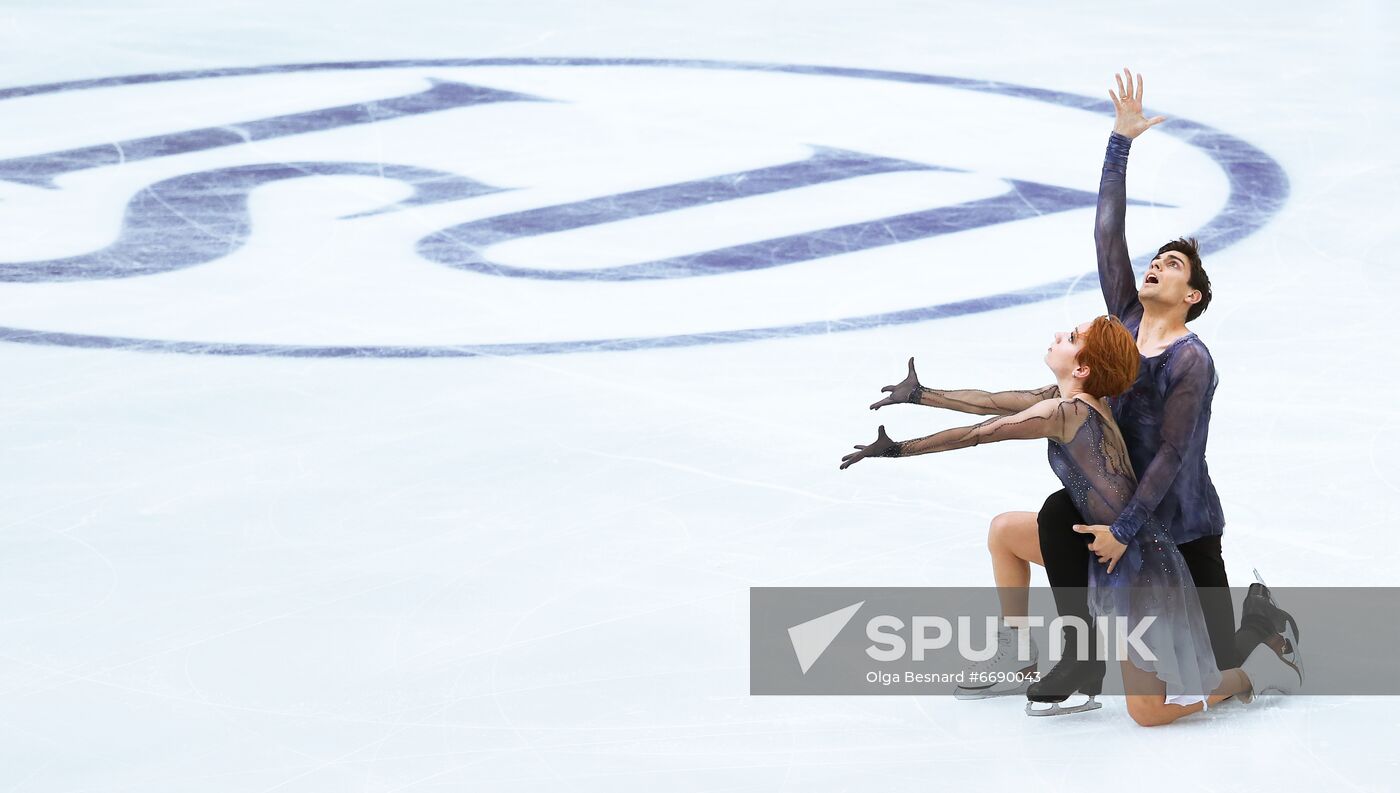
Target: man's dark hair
(1198, 280)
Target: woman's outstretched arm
(1057, 419)
(963, 400)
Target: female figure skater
(1099, 359)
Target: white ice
(531, 572)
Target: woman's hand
(903, 391)
(1127, 105)
(882, 447)
(1105, 545)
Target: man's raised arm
(1116, 277)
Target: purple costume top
(1165, 416)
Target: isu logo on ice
(519, 206)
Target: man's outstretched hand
(903, 391)
(1127, 106)
(880, 448)
(1105, 545)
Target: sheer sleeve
(1116, 277)
(1190, 380)
(985, 403)
(1056, 419)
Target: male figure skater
(1165, 420)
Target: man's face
(1168, 281)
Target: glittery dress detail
(1152, 579)
(1089, 455)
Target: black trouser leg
(1066, 555)
(1208, 571)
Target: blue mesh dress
(1088, 454)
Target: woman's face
(1062, 356)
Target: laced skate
(1001, 675)
(1260, 602)
(1072, 675)
(1276, 666)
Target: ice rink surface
(382, 427)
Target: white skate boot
(1001, 675)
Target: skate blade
(990, 692)
(1056, 709)
(1297, 634)
(1296, 661)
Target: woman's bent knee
(1148, 711)
(997, 531)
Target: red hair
(1111, 354)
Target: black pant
(1066, 553)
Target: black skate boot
(1276, 664)
(1259, 605)
(1072, 675)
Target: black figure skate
(1072, 675)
